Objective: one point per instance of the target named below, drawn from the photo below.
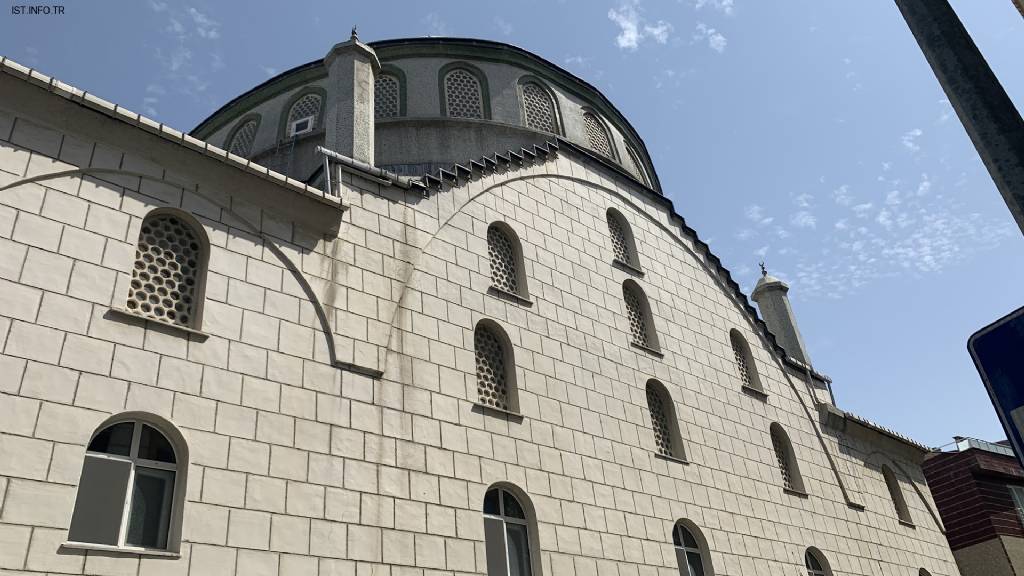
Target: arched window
(637, 167)
(597, 135)
(663, 421)
(638, 311)
(896, 494)
(816, 564)
(786, 459)
(132, 486)
(539, 107)
(304, 115)
(691, 550)
(745, 365)
(508, 536)
(243, 138)
(495, 373)
(923, 572)
(387, 96)
(170, 266)
(506, 258)
(623, 243)
(463, 96)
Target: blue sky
(808, 133)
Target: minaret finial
(764, 272)
(355, 33)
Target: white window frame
(291, 126)
(135, 461)
(511, 520)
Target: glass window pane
(116, 439)
(491, 503)
(812, 562)
(150, 514)
(512, 507)
(694, 564)
(518, 550)
(688, 538)
(153, 446)
(675, 536)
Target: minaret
(351, 70)
(772, 300)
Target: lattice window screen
(637, 321)
(637, 166)
(659, 421)
(241, 142)
(491, 383)
(597, 136)
(308, 105)
(741, 362)
(504, 273)
(540, 110)
(386, 97)
(782, 457)
(166, 270)
(620, 245)
(462, 95)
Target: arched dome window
(785, 457)
(816, 563)
(597, 135)
(495, 371)
(506, 259)
(899, 503)
(691, 550)
(638, 311)
(170, 269)
(667, 440)
(745, 366)
(508, 534)
(463, 96)
(387, 96)
(539, 107)
(637, 167)
(623, 242)
(132, 488)
(304, 115)
(243, 137)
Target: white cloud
(924, 186)
(803, 219)
(435, 24)
(803, 200)
(269, 70)
(841, 224)
(205, 27)
(745, 234)
(633, 29)
(909, 139)
(503, 25)
(861, 210)
(724, 6)
(892, 198)
(716, 41)
(755, 213)
(842, 195)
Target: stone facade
(327, 400)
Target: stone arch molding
(292, 267)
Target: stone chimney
(349, 121)
(771, 298)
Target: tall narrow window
(786, 459)
(242, 139)
(507, 535)
(386, 96)
(923, 572)
(494, 372)
(539, 108)
(637, 167)
(638, 311)
(303, 115)
(745, 365)
(506, 259)
(170, 262)
(690, 554)
(463, 97)
(816, 564)
(623, 242)
(128, 494)
(899, 503)
(597, 135)
(667, 440)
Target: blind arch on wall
(899, 502)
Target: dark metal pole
(987, 113)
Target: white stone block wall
(300, 468)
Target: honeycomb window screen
(638, 313)
(597, 135)
(662, 420)
(169, 262)
(386, 97)
(623, 246)
(242, 140)
(637, 167)
(503, 251)
(745, 366)
(785, 458)
(493, 363)
(307, 106)
(539, 108)
(462, 94)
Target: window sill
(751, 391)
(506, 295)
(485, 408)
(171, 328)
(908, 524)
(798, 493)
(119, 549)
(661, 456)
(651, 351)
(632, 269)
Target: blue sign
(998, 353)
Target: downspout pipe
(361, 168)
